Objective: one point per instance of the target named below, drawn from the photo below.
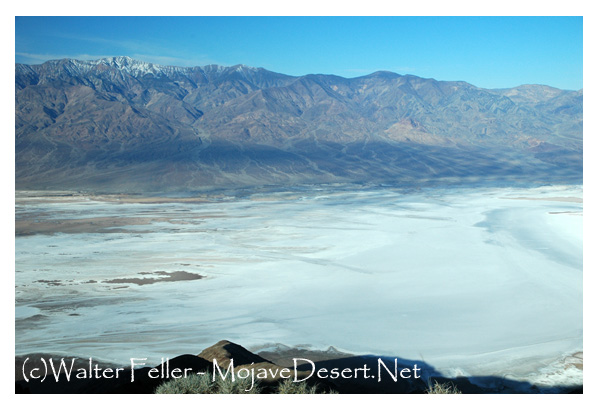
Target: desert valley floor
(474, 282)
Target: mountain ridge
(126, 61)
(122, 124)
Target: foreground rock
(329, 370)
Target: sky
(489, 52)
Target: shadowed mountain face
(118, 124)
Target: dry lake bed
(474, 282)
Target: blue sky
(490, 52)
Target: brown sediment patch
(50, 282)
(83, 225)
(576, 360)
(32, 225)
(94, 225)
(163, 276)
(560, 199)
(128, 199)
(28, 197)
(566, 212)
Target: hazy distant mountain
(117, 124)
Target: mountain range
(121, 125)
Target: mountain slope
(117, 124)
